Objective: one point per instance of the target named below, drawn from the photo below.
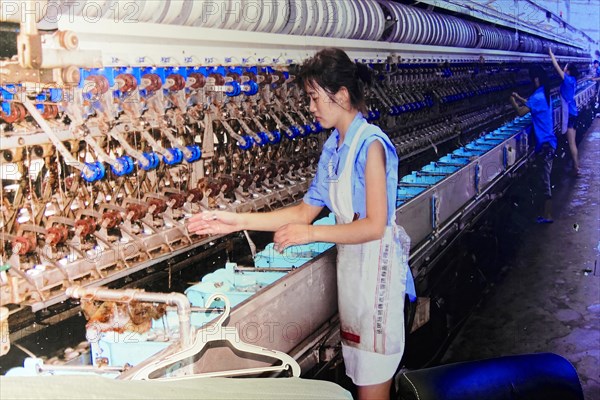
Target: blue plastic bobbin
(96, 171)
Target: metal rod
(176, 299)
(53, 138)
(267, 269)
(83, 368)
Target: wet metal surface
(548, 297)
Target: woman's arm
(555, 63)
(518, 97)
(370, 228)
(221, 222)
(521, 110)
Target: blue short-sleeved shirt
(597, 72)
(541, 114)
(333, 160)
(567, 91)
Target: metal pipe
(266, 269)
(81, 368)
(126, 295)
(59, 58)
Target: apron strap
(340, 190)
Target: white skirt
(369, 368)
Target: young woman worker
(357, 180)
(569, 75)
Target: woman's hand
(517, 97)
(214, 223)
(292, 235)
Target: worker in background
(357, 179)
(569, 106)
(540, 106)
(596, 70)
(596, 77)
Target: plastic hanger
(212, 333)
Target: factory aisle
(548, 297)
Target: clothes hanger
(211, 333)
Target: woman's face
(323, 106)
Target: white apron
(372, 282)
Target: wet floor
(548, 297)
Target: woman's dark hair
(538, 72)
(572, 68)
(332, 69)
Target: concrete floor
(548, 297)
